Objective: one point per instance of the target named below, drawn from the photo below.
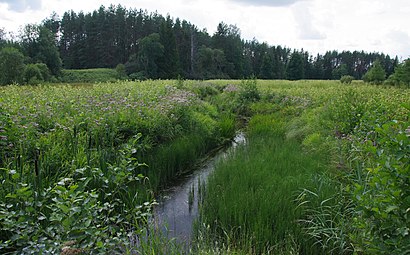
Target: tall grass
(252, 194)
(84, 144)
(300, 185)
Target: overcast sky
(314, 25)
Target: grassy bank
(307, 181)
(108, 146)
(251, 198)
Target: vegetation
(376, 74)
(323, 171)
(401, 75)
(90, 75)
(346, 79)
(11, 66)
(71, 161)
(152, 46)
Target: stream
(178, 205)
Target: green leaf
(391, 208)
(100, 244)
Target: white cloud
(400, 41)
(275, 3)
(304, 20)
(22, 5)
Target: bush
(249, 91)
(383, 200)
(89, 75)
(346, 79)
(11, 66)
(45, 72)
(376, 74)
(121, 72)
(32, 74)
(401, 75)
(139, 76)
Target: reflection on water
(178, 207)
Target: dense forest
(150, 45)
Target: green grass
(252, 194)
(324, 169)
(89, 75)
(64, 144)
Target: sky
(314, 25)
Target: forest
(150, 45)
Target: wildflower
(3, 138)
(408, 132)
(230, 88)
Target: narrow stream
(178, 206)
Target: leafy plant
(346, 79)
(383, 198)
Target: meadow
(325, 169)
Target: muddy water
(178, 206)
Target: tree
(267, 67)
(39, 44)
(151, 50)
(228, 39)
(340, 71)
(211, 63)
(11, 66)
(48, 51)
(295, 70)
(168, 63)
(401, 74)
(121, 72)
(376, 74)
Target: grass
(89, 75)
(300, 185)
(324, 169)
(252, 194)
(89, 144)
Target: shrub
(376, 74)
(11, 66)
(249, 91)
(346, 79)
(139, 76)
(383, 199)
(121, 72)
(89, 75)
(32, 74)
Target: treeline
(155, 46)
(149, 45)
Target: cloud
(273, 3)
(22, 5)
(303, 18)
(399, 42)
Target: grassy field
(92, 156)
(325, 168)
(325, 171)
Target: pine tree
(295, 70)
